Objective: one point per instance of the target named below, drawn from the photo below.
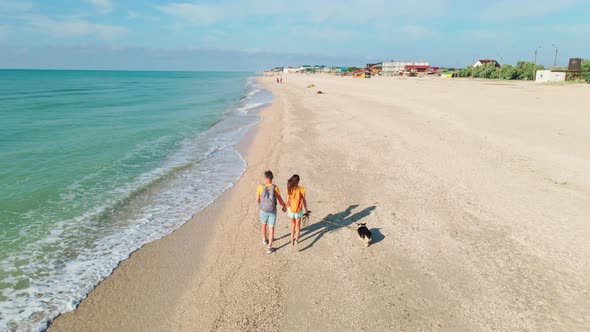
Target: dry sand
(477, 193)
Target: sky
(248, 35)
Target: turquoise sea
(94, 164)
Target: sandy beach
(477, 193)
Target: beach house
(374, 69)
(396, 68)
(413, 70)
(484, 61)
(300, 69)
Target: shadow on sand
(316, 230)
(377, 235)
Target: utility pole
(555, 58)
(500, 73)
(536, 49)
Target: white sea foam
(54, 274)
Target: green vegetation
(524, 70)
(586, 69)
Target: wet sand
(477, 194)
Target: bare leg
(292, 229)
(297, 228)
(263, 228)
(271, 231)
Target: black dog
(364, 233)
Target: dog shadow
(315, 231)
(377, 235)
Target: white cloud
(403, 33)
(104, 6)
(352, 11)
(323, 33)
(417, 32)
(196, 13)
(133, 15)
(253, 50)
(74, 27)
(575, 29)
(15, 6)
(503, 9)
(345, 11)
(480, 34)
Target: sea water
(95, 164)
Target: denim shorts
(268, 217)
(296, 215)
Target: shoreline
(123, 273)
(119, 190)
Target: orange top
(296, 199)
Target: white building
(394, 68)
(288, 70)
(301, 69)
(484, 61)
(330, 70)
(544, 76)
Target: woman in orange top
(296, 203)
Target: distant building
(374, 69)
(544, 76)
(330, 70)
(378, 65)
(484, 61)
(415, 69)
(319, 69)
(301, 69)
(359, 73)
(289, 70)
(395, 68)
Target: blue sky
(256, 34)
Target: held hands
(284, 208)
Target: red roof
(421, 67)
(489, 61)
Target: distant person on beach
(277, 80)
(281, 79)
(296, 203)
(267, 195)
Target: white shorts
(296, 215)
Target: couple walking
(267, 196)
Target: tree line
(524, 70)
